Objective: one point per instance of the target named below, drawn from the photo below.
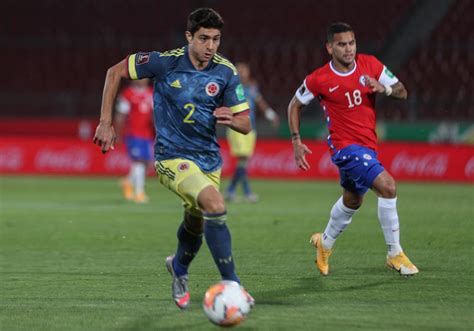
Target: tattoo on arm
(399, 91)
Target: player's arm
(239, 122)
(397, 90)
(267, 111)
(105, 134)
(386, 83)
(300, 150)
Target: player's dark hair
(337, 27)
(204, 18)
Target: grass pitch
(75, 256)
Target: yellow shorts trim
(241, 145)
(185, 178)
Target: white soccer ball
(226, 303)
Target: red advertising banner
(272, 159)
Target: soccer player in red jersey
(134, 122)
(346, 88)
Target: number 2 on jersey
(190, 107)
(357, 98)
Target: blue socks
(188, 246)
(219, 242)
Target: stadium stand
(61, 51)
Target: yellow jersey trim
(174, 52)
(132, 71)
(240, 107)
(222, 60)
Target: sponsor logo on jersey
(143, 58)
(239, 91)
(176, 84)
(362, 81)
(212, 89)
(332, 89)
(183, 166)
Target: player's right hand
(300, 151)
(105, 137)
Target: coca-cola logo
(72, 159)
(117, 161)
(430, 164)
(11, 158)
(326, 166)
(469, 168)
(280, 162)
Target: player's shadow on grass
(309, 285)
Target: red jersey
(137, 104)
(348, 104)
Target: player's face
(204, 44)
(343, 48)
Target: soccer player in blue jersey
(195, 88)
(242, 146)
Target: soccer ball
(226, 303)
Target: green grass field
(75, 256)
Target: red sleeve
(375, 65)
(311, 83)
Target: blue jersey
(252, 93)
(184, 100)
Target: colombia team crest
(183, 166)
(212, 88)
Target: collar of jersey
(343, 74)
(186, 51)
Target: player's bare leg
(385, 188)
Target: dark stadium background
(54, 56)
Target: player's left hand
(300, 150)
(373, 84)
(224, 115)
(105, 137)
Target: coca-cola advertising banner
(272, 159)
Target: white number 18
(357, 98)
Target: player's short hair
(204, 18)
(337, 27)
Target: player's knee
(352, 201)
(389, 191)
(214, 207)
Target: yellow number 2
(191, 108)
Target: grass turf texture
(75, 256)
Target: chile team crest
(212, 89)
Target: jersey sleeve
(145, 65)
(387, 78)
(383, 74)
(234, 96)
(303, 94)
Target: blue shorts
(358, 168)
(139, 149)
